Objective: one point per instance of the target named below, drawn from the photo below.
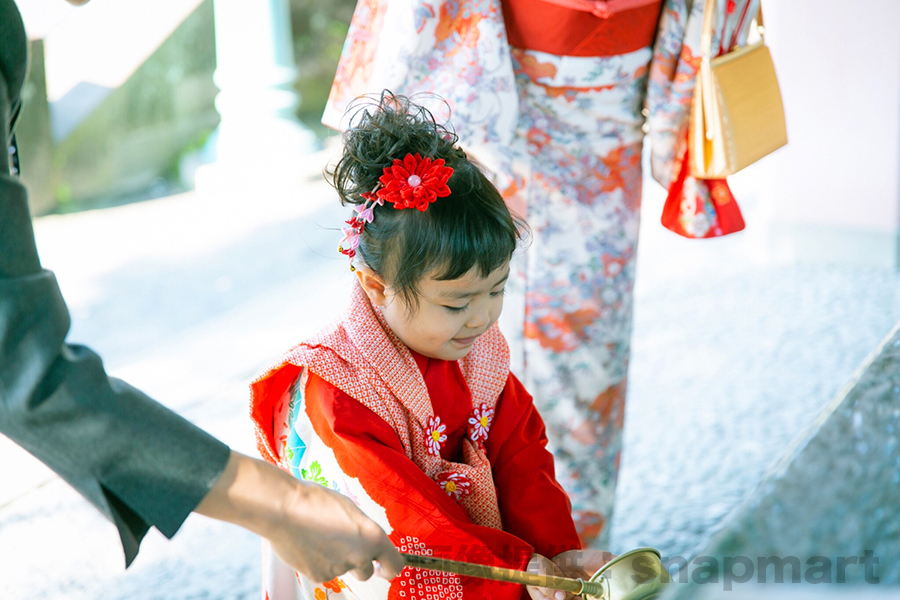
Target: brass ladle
(635, 575)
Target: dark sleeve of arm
(138, 462)
(533, 504)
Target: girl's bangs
(483, 239)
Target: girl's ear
(373, 285)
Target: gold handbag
(737, 116)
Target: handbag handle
(709, 14)
(709, 11)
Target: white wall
(833, 193)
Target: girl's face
(450, 315)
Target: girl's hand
(581, 564)
(544, 566)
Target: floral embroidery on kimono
(480, 423)
(434, 435)
(455, 484)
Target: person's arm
(673, 75)
(139, 463)
(266, 500)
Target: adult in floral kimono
(549, 96)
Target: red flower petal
(423, 167)
(410, 163)
(433, 176)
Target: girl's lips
(466, 341)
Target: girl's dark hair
(470, 227)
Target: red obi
(581, 27)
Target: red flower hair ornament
(414, 182)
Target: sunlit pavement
(735, 349)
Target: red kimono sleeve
(533, 504)
(422, 516)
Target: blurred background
(121, 102)
(181, 204)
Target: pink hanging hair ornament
(365, 213)
(413, 182)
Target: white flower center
(414, 180)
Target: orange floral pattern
(335, 585)
(463, 26)
(358, 57)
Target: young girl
(406, 405)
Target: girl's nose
(480, 317)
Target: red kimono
(424, 485)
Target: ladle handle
(576, 586)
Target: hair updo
(470, 227)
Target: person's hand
(314, 530)
(544, 566)
(581, 564)
(324, 535)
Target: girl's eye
(456, 309)
(498, 294)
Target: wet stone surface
(834, 496)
